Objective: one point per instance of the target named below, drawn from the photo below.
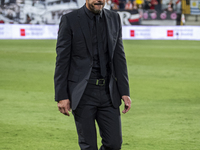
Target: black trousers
(95, 104)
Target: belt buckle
(100, 80)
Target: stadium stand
(150, 12)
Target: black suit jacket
(74, 57)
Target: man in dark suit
(91, 74)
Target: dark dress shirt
(95, 74)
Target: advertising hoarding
(161, 32)
(12, 31)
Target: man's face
(95, 6)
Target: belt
(99, 82)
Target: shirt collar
(91, 14)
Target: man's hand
(127, 102)
(64, 106)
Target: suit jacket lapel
(85, 29)
(109, 33)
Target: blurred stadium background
(161, 40)
(142, 19)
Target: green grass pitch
(165, 90)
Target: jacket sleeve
(120, 65)
(63, 50)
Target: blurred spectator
(115, 6)
(108, 4)
(139, 3)
(134, 5)
(2, 3)
(129, 5)
(28, 19)
(116, 2)
(147, 4)
(1, 21)
(153, 4)
(122, 4)
(12, 1)
(158, 6)
(170, 6)
(178, 11)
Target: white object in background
(183, 18)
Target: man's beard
(95, 11)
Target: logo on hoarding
(129, 18)
(159, 15)
(22, 32)
(153, 15)
(173, 16)
(132, 33)
(163, 15)
(145, 15)
(170, 33)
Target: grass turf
(164, 81)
